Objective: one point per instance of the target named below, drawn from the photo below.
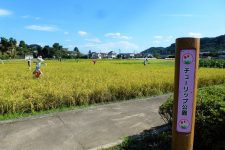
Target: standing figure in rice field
(146, 61)
(29, 63)
(94, 61)
(37, 72)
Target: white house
(112, 55)
(29, 57)
(95, 55)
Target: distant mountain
(213, 45)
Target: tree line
(10, 48)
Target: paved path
(82, 129)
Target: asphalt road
(81, 129)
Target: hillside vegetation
(213, 45)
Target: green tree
(58, 50)
(39, 50)
(55, 48)
(22, 44)
(89, 54)
(22, 49)
(46, 51)
(5, 44)
(12, 47)
(77, 52)
(156, 55)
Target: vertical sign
(186, 90)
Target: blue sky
(104, 25)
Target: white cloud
(118, 36)
(71, 46)
(82, 33)
(90, 45)
(30, 17)
(125, 46)
(178, 15)
(37, 18)
(95, 40)
(66, 33)
(193, 34)
(25, 16)
(168, 38)
(42, 28)
(156, 42)
(158, 37)
(4, 12)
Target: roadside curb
(107, 145)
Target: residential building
(104, 55)
(125, 55)
(95, 55)
(112, 55)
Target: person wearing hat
(37, 72)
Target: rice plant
(72, 83)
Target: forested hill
(214, 45)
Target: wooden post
(185, 91)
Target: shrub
(210, 117)
(157, 138)
(212, 63)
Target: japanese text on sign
(186, 90)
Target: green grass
(16, 115)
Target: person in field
(146, 61)
(94, 61)
(37, 72)
(29, 63)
